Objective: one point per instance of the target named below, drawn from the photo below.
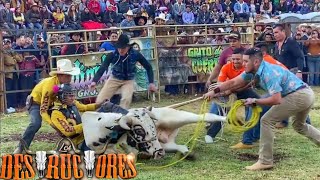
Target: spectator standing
(27, 78)
(313, 45)
(11, 60)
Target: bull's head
(41, 162)
(142, 132)
(89, 158)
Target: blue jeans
(34, 25)
(249, 136)
(34, 126)
(314, 66)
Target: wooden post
(2, 79)
(156, 58)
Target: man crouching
(65, 114)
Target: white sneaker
(11, 110)
(208, 139)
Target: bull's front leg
(172, 147)
(170, 144)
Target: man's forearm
(215, 72)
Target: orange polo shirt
(229, 72)
(271, 60)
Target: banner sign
(67, 162)
(182, 65)
(90, 64)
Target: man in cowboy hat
(128, 22)
(33, 17)
(140, 21)
(69, 49)
(42, 97)
(124, 61)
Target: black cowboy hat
(136, 19)
(123, 41)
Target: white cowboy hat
(161, 16)
(64, 66)
(129, 13)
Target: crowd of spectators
(67, 14)
(28, 51)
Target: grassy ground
(296, 157)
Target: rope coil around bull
(238, 124)
(192, 141)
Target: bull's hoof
(191, 156)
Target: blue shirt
(108, 46)
(275, 79)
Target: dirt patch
(46, 137)
(254, 157)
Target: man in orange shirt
(227, 72)
(264, 48)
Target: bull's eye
(99, 118)
(139, 132)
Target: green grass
(299, 157)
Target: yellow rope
(236, 124)
(240, 124)
(231, 99)
(192, 140)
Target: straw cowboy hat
(64, 66)
(129, 13)
(161, 16)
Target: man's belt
(299, 88)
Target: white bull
(135, 131)
(167, 122)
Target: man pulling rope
(289, 97)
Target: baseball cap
(234, 35)
(5, 41)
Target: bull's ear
(125, 122)
(149, 108)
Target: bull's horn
(149, 108)
(124, 121)
(102, 150)
(152, 116)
